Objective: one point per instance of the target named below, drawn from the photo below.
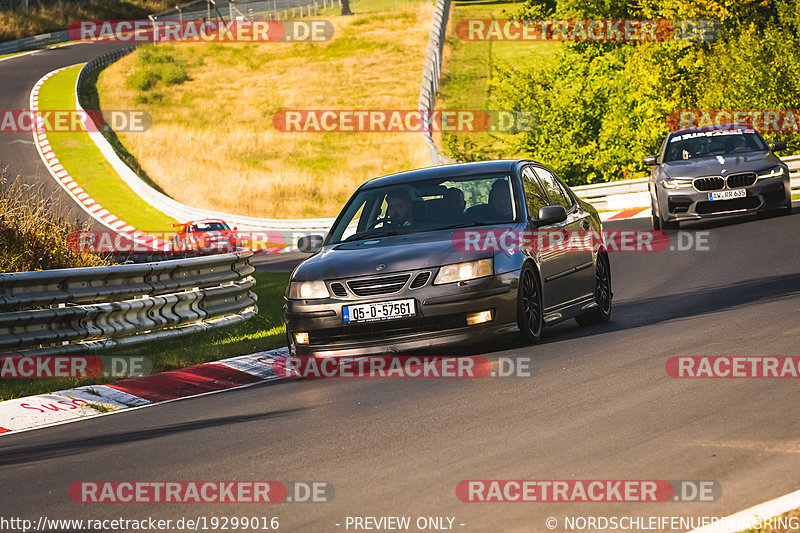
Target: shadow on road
(61, 448)
(644, 312)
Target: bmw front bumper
(690, 204)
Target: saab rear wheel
(602, 294)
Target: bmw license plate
(727, 195)
(379, 311)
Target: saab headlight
(464, 271)
(308, 290)
(777, 172)
(677, 183)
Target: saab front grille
(420, 280)
(745, 179)
(376, 286)
(709, 184)
(338, 290)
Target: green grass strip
(88, 167)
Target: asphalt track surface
(18, 154)
(600, 406)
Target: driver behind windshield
(738, 144)
(500, 200)
(398, 210)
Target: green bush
(142, 80)
(174, 74)
(156, 64)
(603, 106)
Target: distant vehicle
(388, 276)
(721, 171)
(210, 235)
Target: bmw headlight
(308, 290)
(464, 271)
(776, 172)
(676, 183)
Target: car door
(550, 262)
(572, 275)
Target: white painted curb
(61, 407)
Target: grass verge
(216, 125)
(263, 332)
(467, 69)
(88, 167)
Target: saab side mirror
(550, 214)
(310, 244)
(650, 160)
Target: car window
(555, 191)
(535, 197)
(427, 205)
(208, 226)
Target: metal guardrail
(78, 310)
(34, 43)
(432, 71)
(248, 9)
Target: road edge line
(753, 516)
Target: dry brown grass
(38, 20)
(32, 235)
(213, 144)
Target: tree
(346, 7)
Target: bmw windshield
(713, 143)
(426, 206)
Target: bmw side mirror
(310, 244)
(777, 146)
(650, 160)
(550, 214)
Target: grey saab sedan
(392, 274)
(710, 172)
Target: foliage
(156, 64)
(602, 106)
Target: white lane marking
(758, 514)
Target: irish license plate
(379, 311)
(727, 195)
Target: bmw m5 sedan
(390, 275)
(720, 171)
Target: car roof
(206, 220)
(722, 127)
(445, 171)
